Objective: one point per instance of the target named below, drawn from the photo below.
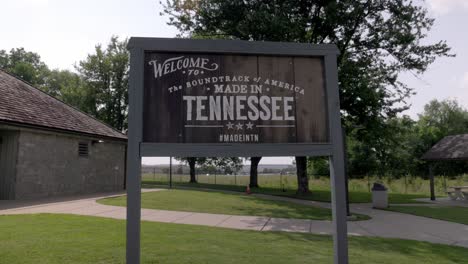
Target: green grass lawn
(223, 203)
(315, 194)
(452, 213)
(57, 239)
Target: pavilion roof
(449, 148)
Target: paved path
(382, 224)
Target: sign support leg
(133, 206)
(134, 156)
(337, 165)
(338, 189)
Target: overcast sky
(64, 32)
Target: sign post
(220, 98)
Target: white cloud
(446, 6)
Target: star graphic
(239, 126)
(249, 125)
(230, 125)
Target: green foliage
(362, 158)
(391, 156)
(318, 166)
(26, 65)
(226, 165)
(105, 78)
(443, 118)
(215, 165)
(67, 86)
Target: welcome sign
(217, 98)
(233, 98)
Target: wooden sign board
(226, 98)
(216, 98)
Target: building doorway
(8, 156)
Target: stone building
(48, 148)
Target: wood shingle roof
(449, 148)
(23, 104)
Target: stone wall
(49, 165)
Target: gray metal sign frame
(138, 149)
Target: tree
(399, 158)
(105, 77)
(362, 159)
(231, 165)
(68, 87)
(302, 179)
(443, 118)
(224, 165)
(377, 40)
(254, 161)
(439, 119)
(192, 162)
(318, 166)
(26, 65)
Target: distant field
(413, 185)
(320, 195)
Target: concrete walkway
(383, 223)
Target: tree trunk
(431, 181)
(302, 180)
(191, 162)
(254, 171)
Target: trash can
(379, 196)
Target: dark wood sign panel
(213, 98)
